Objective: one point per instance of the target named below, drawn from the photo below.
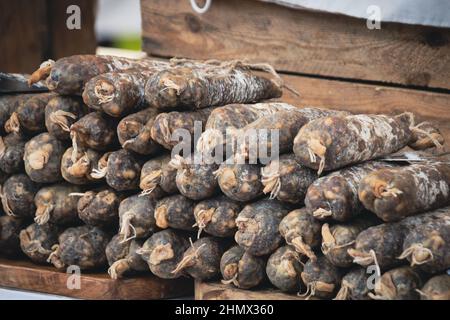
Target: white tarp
(423, 12)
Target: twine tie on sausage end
(5, 204)
(418, 253)
(161, 253)
(178, 162)
(118, 268)
(43, 214)
(435, 141)
(150, 182)
(343, 293)
(322, 213)
(60, 118)
(104, 91)
(203, 217)
(188, 259)
(73, 136)
(53, 257)
(233, 280)
(12, 125)
(80, 167)
(2, 147)
(126, 227)
(271, 181)
(42, 72)
(317, 149)
(301, 247)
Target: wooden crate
(299, 41)
(24, 275)
(334, 61)
(219, 291)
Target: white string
(198, 9)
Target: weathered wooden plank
(365, 98)
(218, 291)
(65, 42)
(298, 41)
(23, 29)
(25, 275)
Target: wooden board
(219, 291)
(34, 31)
(298, 41)
(25, 275)
(365, 98)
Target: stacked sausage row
(314, 220)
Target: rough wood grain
(218, 291)
(65, 42)
(25, 275)
(298, 41)
(33, 31)
(365, 98)
(22, 29)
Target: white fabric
(423, 12)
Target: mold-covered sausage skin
(29, 117)
(284, 124)
(395, 193)
(216, 216)
(168, 123)
(118, 93)
(335, 196)
(232, 117)
(354, 285)
(81, 246)
(258, 226)
(134, 132)
(79, 171)
(383, 244)
(338, 238)
(69, 75)
(436, 288)
(163, 251)
(427, 246)
(241, 268)
(301, 231)
(240, 181)
(136, 217)
(17, 195)
(100, 207)
(321, 278)
(398, 284)
(8, 104)
(12, 148)
(213, 85)
(286, 180)
(334, 142)
(9, 235)
(123, 257)
(37, 241)
(284, 268)
(55, 205)
(95, 130)
(176, 212)
(123, 170)
(202, 260)
(42, 158)
(195, 177)
(157, 174)
(60, 113)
